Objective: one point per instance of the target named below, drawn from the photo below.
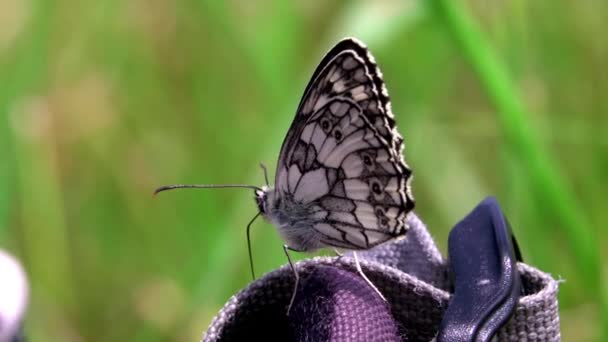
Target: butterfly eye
(338, 135)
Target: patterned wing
(341, 159)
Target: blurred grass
(523, 142)
(101, 107)
(523, 139)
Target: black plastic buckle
(483, 255)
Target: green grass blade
(523, 140)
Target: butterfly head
(261, 199)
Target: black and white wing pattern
(341, 174)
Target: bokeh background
(102, 101)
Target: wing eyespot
(368, 161)
(325, 125)
(337, 135)
(376, 187)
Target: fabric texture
(333, 302)
(338, 305)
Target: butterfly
(341, 181)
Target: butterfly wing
(341, 159)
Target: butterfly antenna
(205, 186)
(249, 244)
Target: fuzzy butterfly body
(341, 180)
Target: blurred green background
(102, 101)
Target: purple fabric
(335, 304)
(338, 305)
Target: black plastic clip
(483, 255)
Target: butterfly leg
(265, 173)
(358, 265)
(249, 244)
(286, 249)
(338, 253)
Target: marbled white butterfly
(341, 181)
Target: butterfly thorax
(293, 219)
